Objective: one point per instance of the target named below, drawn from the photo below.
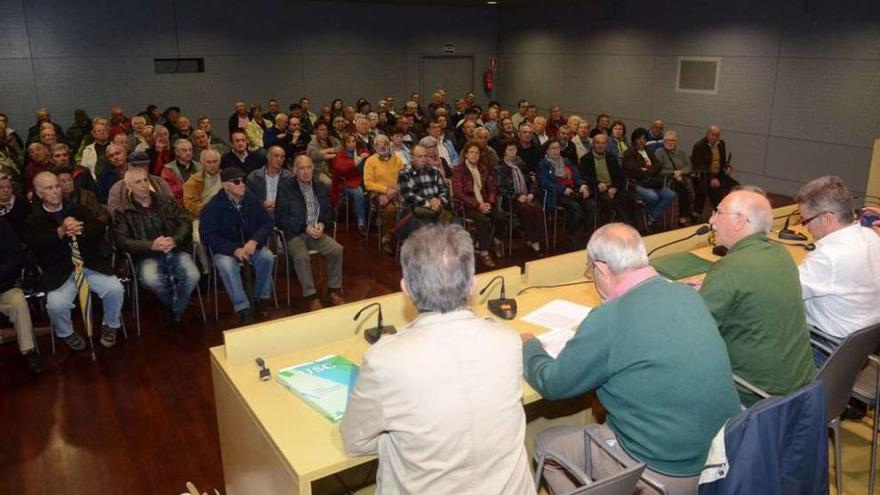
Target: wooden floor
(141, 420)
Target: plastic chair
(838, 375)
(621, 483)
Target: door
(455, 74)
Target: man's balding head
(743, 212)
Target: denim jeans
(230, 272)
(60, 301)
(359, 204)
(172, 277)
(656, 200)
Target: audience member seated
(278, 134)
(424, 193)
(555, 120)
(322, 149)
(255, 130)
(119, 196)
(273, 108)
(755, 295)
(205, 124)
(55, 231)
(540, 127)
(473, 185)
(179, 170)
(74, 194)
(235, 226)
(140, 134)
(239, 118)
(241, 156)
(161, 151)
(93, 156)
(653, 356)
(656, 136)
(519, 117)
(13, 209)
(11, 154)
(445, 147)
(582, 141)
(642, 167)
(603, 124)
(563, 187)
(265, 182)
(617, 143)
(43, 117)
(711, 170)
(347, 179)
(10, 132)
(840, 280)
(602, 173)
(304, 214)
(184, 129)
(38, 161)
(676, 170)
(398, 147)
(299, 140)
(202, 186)
(82, 127)
(12, 302)
(157, 232)
(117, 164)
(380, 180)
(59, 156)
(512, 182)
(528, 150)
(385, 414)
(119, 123)
(47, 136)
(506, 132)
(437, 162)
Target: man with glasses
(653, 355)
(755, 296)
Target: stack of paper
(561, 317)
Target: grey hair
(669, 133)
(827, 193)
(756, 210)
(428, 142)
(619, 246)
(208, 151)
(129, 175)
(438, 267)
(180, 142)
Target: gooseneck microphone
(372, 335)
(789, 235)
(502, 307)
(705, 229)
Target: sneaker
(32, 359)
(855, 410)
(108, 336)
(74, 342)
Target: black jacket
(633, 162)
(251, 162)
(701, 156)
(135, 227)
(225, 228)
(587, 166)
(18, 214)
(53, 254)
(290, 207)
(11, 256)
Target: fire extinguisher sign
(449, 48)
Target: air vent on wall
(178, 65)
(698, 75)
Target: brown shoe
(336, 299)
(487, 260)
(315, 304)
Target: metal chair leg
(872, 476)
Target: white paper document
(561, 317)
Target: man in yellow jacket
(380, 179)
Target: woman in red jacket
(348, 178)
(474, 186)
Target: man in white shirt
(441, 402)
(841, 278)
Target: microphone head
(705, 229)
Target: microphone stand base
(374, 334)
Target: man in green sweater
(754, 293)
(654, 357)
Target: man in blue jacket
(236, 227)
(303, 212)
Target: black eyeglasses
(804, 222)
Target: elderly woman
(511, 181)
(474, 186)
(347, 179)
(564, 187)
(677, 170)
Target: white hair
(619, 246)
(752, 203)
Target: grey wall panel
(683, 38)
(743, 102)
(610, 39)
(207, 27)
(538, 78)
(834, 101)
(618, 84)
(352, 76)
(13, 35)
(17, 98)
(802, 161)
(846, 30)
(770, 184)
(59, 28)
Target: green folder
(681, 265)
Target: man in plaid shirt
(424, 193)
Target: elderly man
(141, 135)
(528, 149)
(239, 118)
(179, 170)
(205, 124)
(59, 155)
(380, 180)
(265, 182)
(656, 136)
(385, 414)
(303, 213)
(278, 134)
(755, 296)
(119, 196)
(235, 226)
(94, 156)
(840, 280)
(52, 232)
(445, 147)
(239, 156)
(157, 232)
(38, 161)
(605, 178)
(668, 388)
(676, 169)
(43, 117)
(540, 128)
(202, 141)
(47, 136)
(423, 192)
(12, 302)
(711, 169)
(117, 164)
(202, 185)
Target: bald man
(50, 231)
(711, 169)
(754, 293)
